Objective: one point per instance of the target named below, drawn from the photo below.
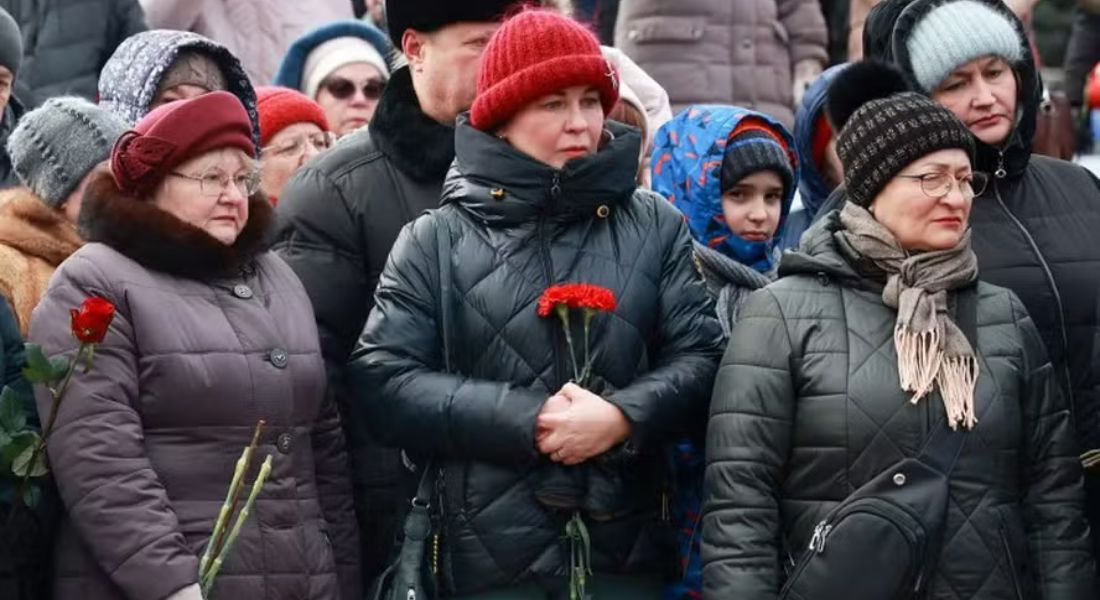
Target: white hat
(335, 53)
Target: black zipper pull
(555, 187)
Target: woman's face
(753, 206)
(918, 221)
(982, 94)
(558, 127)
(286, 152)
(210, 192)
(349, 96)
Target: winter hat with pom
(535, 53)
(884, 127)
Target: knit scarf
(930, 346)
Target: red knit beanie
(281, 107)
(175, 133)
(538, 52)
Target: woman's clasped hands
(576, 425)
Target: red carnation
(91, 322)
(590, 299)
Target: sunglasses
(342, 89)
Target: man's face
(446, 63)
(7, 80)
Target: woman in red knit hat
(551, 474)
(293, 129)
(211, 333)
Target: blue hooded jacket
(687, 170)
(812, 188)
(290, 69)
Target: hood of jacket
(812, 188)
(34, 229)
(129, 80)
(290, 69)
(890, 30)
(158, 240)
(687, 167)
(502, 187)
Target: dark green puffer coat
(807, 408)
(516, 227)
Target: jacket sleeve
(805, 25)
(1058, 534)
(672, 398)
(1082, 53)
(319, 239)
(173, 14)
(748, 443)
(398, 378)
(334, 489)
(113, 497)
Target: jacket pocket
(654, 30)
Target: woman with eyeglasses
(344, 67)
(211, 334)
(878, 339)
(293, 129)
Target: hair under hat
(282, 107)
(955, 33)
(175, 133)
(884, 127)
(538, 52)
(57, 144)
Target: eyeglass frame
(374, 84)
(252, 186)
(954, 181)
(301, 141)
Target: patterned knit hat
(535, 53)
(57, 144)
(885, 128)
(949, 36)
(755, 147)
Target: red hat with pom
(534, 53)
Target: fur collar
(34, 229)
(417, 144)
(161, 242)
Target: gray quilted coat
(207, 339)
(807, 408)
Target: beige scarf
(930, 346)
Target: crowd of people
(531, 317)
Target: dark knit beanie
(430, 15)
(11, 43)
(753, 149)
(535, 53)
(885, 128)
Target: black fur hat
(430, 15)
(883, 127)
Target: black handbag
(883, 541)
(411, 576)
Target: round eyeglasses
(216, 183)
(938, 185)
(296, 147)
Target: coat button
(242, 291)
(899, 479)
(602, 211)
(278, 358)
(283, 442)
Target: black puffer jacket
(516, 227)
(1035, 233)
(807, 408)
(67, 42)
(338, 217)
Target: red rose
(90, 323)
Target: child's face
(753, 206)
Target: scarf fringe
(957, 378)
(919, 358)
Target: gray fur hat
(57, 144)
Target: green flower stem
(580, 556)
(589, 314)
(563, 314)
(232, 500)
(208, 580)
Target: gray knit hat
(11, 43)
(884, 128)
(956, 33)
(57, 144)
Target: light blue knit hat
(956, 33)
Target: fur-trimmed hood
(34, 229)
(159, 241)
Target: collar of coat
(501, 186)
(161, 242)
(415, 143)
(34, 229)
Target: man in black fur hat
(341, 213)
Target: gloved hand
(805, 72)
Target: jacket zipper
(548, 270)
(1053, 286)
